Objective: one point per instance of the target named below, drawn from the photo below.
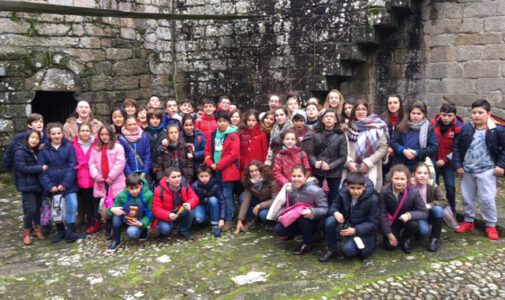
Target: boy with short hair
(208, 122)
(222, 154)
(479, 155)
(186, 107)
(171, 116)
(34, 122)
(224, 103)
(447, 126)
(299, 120)
(354, 215)
(174, 202)
(133, 208)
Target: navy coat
(62, 163)
(211, 189)
(27, 169)
(8, 159)
(400, 141)
(365, 214)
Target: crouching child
(354, 217)
(132, 208)
(174, 202)
(211, 197)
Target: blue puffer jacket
(365, 214)
(143, 149)
(8, 159)
(61, 163)
(495, 142)
(169, 120)
(211, 189)
(27, 169)
(401, 141)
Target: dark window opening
(54, 106)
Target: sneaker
(113, 246)
(216, 231)
(465, 227)
(186, 236)
(94, 228)
(492, 233)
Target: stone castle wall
(434, 51)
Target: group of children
(335, 170)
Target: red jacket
(84, 179)
(163, 205)
(253, 146)
(284, 162)
(229, 165)
(446, 141)
(207, 125)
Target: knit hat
(299, 114)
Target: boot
(71, 236)
(60, 233)
(406, 246)
(116, 240)
(302, 249)
(95, 226)
(27, 239)
(326, 256)
(436, 228)
(38, 232)
(108, 229)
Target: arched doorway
(54, 106)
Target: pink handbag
(292, 213)
(105, 203)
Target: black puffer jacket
(330, 147)
(27, 170)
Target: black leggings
(32, 201)
(88, 204)
(303, 226)
(402, 231)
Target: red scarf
(105, 163)
(394, 120)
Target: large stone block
(453, 26)
(125, 83)
(468, 52)
(435, 54)
(494, 24)
(90, 42)
(131, 67)
(440, 40)
(443, 70)
(118, 53)
(479, 9)
(482, 69)
(49, 29)
(494, 52)
(128, 33)
(86, 55)
(487, 85)
(478, 39)
(9, 26)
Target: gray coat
(312, 195)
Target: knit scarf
(155, 130)
(422, 127)
(219, 142)
(393, 119)
(132, 136)
(105, 162)
(257, 184)
(366, 134)
(275, 135)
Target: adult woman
(82, 114)
(414, 139)
(317, 206)
(258, 195)
(366, 143)
(328, 152)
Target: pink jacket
(117, 163)
(84, 179)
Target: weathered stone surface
(49, 29)
(444, 70)
(479, 69)
(9, 26)
(118, 54)
(470, 52)
(478, 39)
(57, 80)
(131, 67)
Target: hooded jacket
(229, 164)
(117, 161)
(284, 162)
(253, 146)
(84, 179)
(168, 201)
(61, 163)
(27, 169)
(211, 189)
(446, 140)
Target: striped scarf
(367, 134)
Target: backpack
(135, 210)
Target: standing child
(267, 122)
(142, 118)
(289, 156)
(282, 123)
(154, 102)
(83, 143)
(106, 167)
(479, 155)
(334, 100)
(59, 155)
(195, 141)
(174, 202)
(83, 114)
(171, 116)
(187, 107)
(312, 116)
(133, 208)
(27, 171)
(435, 202)
(253, 140)
(401, 209)
(235, 117)
(155, 133)
(303, 131)
(212, 202)
(354, 215)
(117, 118)
(328, 153)
(222, 154)
(224, 104)
(137, 148)
(447, 127)
(208, 122)
(293, 102)
(131, 107)
(175, 155)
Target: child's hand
(363, 169)
(405, 217)
(307, 213)
(288, 186)
(499, 171)
(428, 206)
(392, 240)
(256, 210)
(352, 167)
(348, 232)
(54, 189)
(409, 154)
(339, 217)
(173, 217)
(440, 163)
(325, 166)
(164, 142)
(118, 211)
(317, 165)
(391, 152)
(136, 223)
(221, 224)
(61, 188)
(460, 171)
(213, 167)
(190, 155)
(187, 206)
(240, 227)
(45, 168)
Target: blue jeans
(32, 201)
(211, 208)
(436, 212)
(333, 185)
(71, 207)
(250, 216)
(185, 220)
(132, 232)
(449, 175)
(228, 197)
